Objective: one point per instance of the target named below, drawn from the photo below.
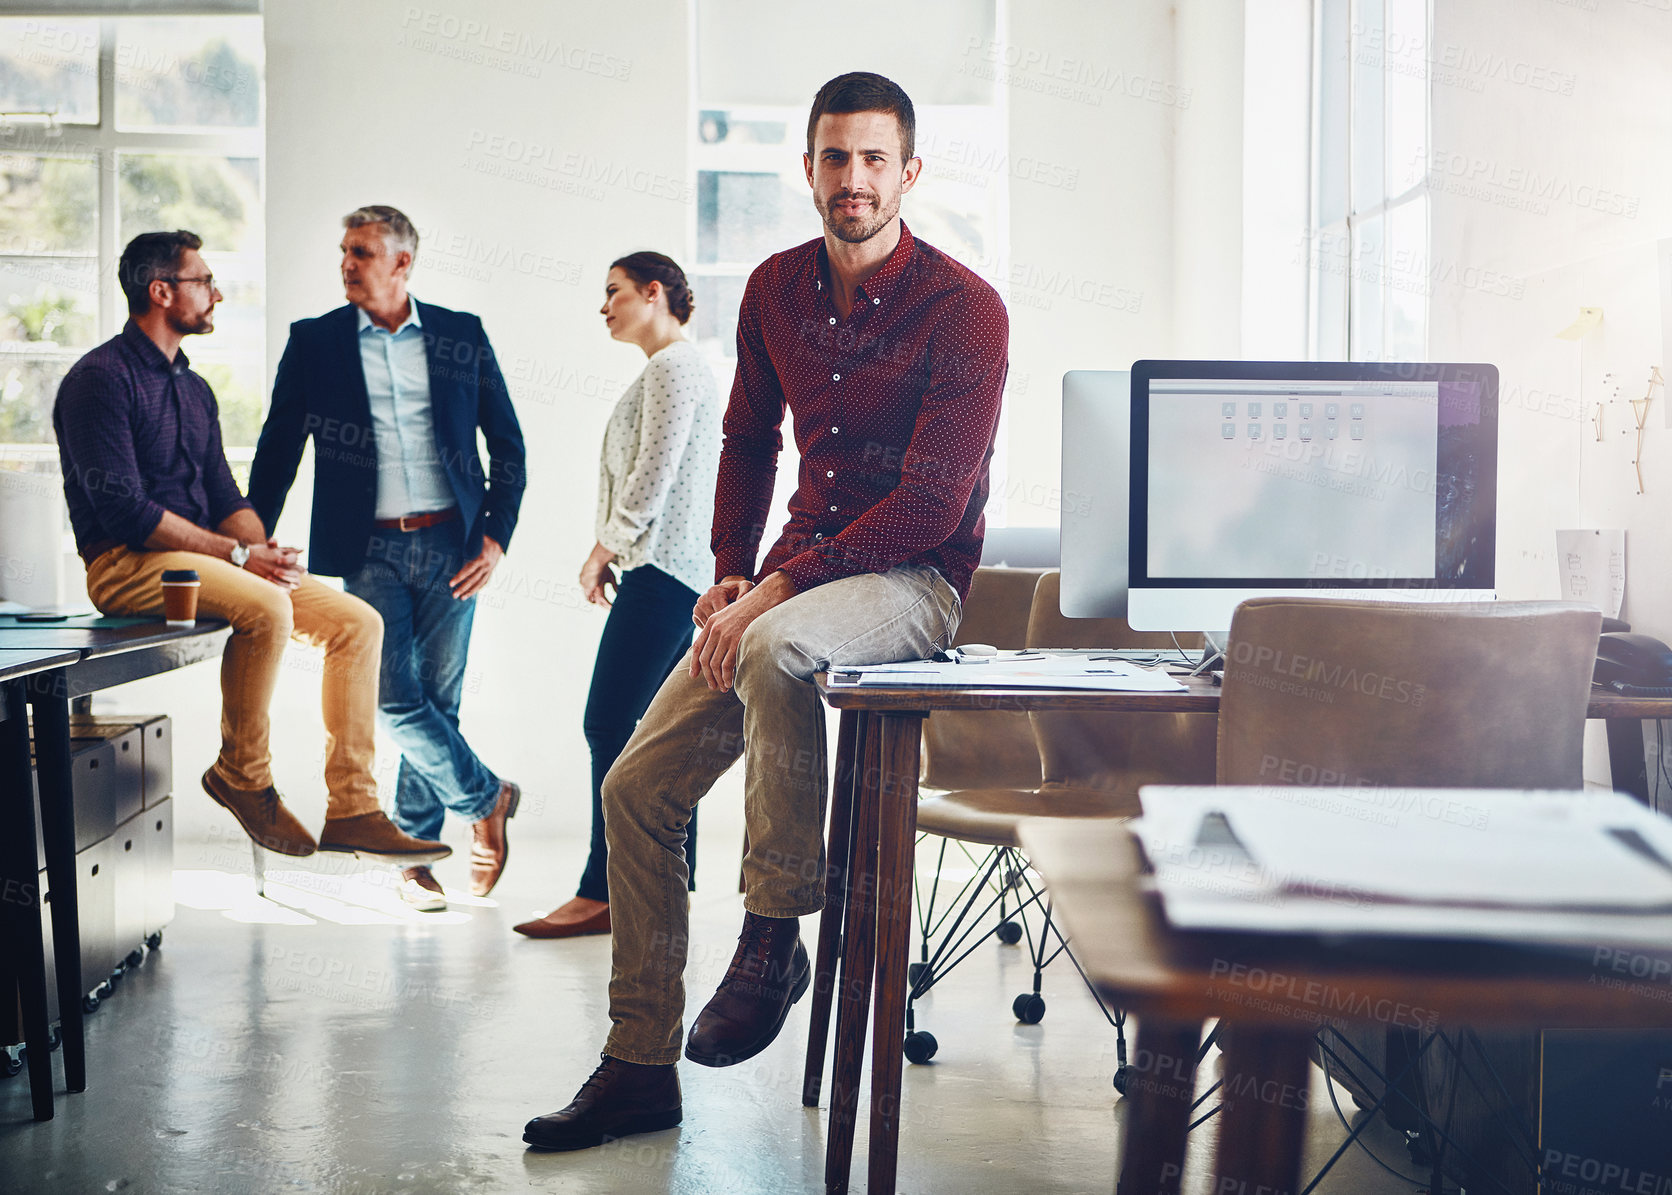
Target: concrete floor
(326, 1039)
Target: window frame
(1344, 275)
(106, 143)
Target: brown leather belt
(414, 522)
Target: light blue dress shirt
(410, 476)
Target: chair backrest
(986, 748)
(1114, 752)
(1326, 691)
(1048, 628)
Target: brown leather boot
(422, 891)
(488, 844)
(372, 836)
(768, 973)
(620, 1099)
(263, 815)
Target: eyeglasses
(207, 280)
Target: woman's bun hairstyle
(645, 267)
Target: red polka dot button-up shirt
(895, 410)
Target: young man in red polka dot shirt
(891, 357)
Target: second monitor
(1365, 479)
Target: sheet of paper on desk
(1030, 672)
(1431, 862)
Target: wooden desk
(867, 915)
(20, 898)
(98, 653)
(1274, 992)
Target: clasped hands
(282, 566)
(723, 614)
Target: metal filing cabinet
(156, 743)
(93, 779)
(96, 911)
(128, 850)
(158, 826)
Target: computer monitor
(1096, 421)
(1249, 478)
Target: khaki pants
(264, 618)
(690, 735)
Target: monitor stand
(1215, 645)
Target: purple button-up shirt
(137, 435)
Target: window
(1369, 235)
(110, 128)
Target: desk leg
(48, 695)
(1263, 1122)
(835, 901)
(1627, 763)
(1159, 1091)
(859, 942)
(902, 738)
(20, 877)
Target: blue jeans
(648, 630)
(426, 639)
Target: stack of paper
(1020, 670)
(1568, 867)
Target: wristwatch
(239, 554)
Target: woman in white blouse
(655, 512)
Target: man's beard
(858, 229)
(200, 324)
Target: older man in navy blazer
(393, 391)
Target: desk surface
(96, 637)
(1095, 875)
(1200, 696)
(16, 662)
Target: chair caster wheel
(90, 1002)
(1029, 1008)
(135, 959)
(1123, 1077)
(920, 1046)
(154, 941)
(10, 1064)
(916, 972)
(54, 1037)
(1009, 932)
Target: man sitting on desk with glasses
(149, 490)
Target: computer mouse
(978, 649)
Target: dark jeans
(648, 630)
(426, 640)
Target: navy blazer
(320, 391)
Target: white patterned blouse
(656, 478)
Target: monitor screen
(1367, 479)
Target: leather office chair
(1328, 691)
(1490, 695)
(965, 748)
(1092, 766)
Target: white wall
(1091, 269)
(531, 149)
(1552, 182)
(533, 142)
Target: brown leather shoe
(572, 919)
(488, 846)
(373, 837)
(768, 973)
(421, 890)
(263, 815)
(620, 1099)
